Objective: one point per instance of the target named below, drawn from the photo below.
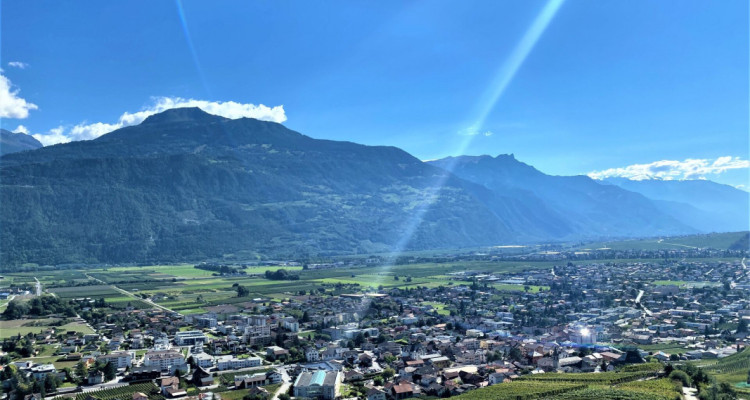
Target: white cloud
(674, 170)
(21, 129)
(474, 132)
(12, 106)
(227, 109)
(18, 64)
(54, 136)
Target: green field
(711, 240)
(190, 290)
(676, 283)
(519, 288)
(669, 348)
(14, 327)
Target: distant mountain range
(616, 206)
(11, 142)
(185, 185)
(705, 205)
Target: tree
(680, 376)
(515, 354)
(242, 291)
(110, 371)
(81, 371)
(742, 327)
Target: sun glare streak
(191, 47)
(497, 87)
(514, 62)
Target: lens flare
(500, 82)
(191, 47)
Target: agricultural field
(439, 307)
(14, 327)
(519, 288)
(712, 240)
(113, 297)
(189, 290)
(669, 348)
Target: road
(131, 295)
(286, 381)
(639, 304)
(689, 393)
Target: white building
(166, 360)
(224, 363)
(203, 360)
(41, 371)
(190, 338)
(120, 359)
(312, 354)
(257, 334)
(290, 324)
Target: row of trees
(281, 275)
(39, 306)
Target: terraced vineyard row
(601, 393)
(728, 367)
(124, 392)
(604, 378)
(521, 391)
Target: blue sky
(607, 85)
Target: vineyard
(604, 378)
(729, 367)
(652, 367)
(666, 388)
(736, 362)
(518, 390)
(600, 393)
(124, 392)
(579, 388)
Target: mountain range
(13, 142)
(187, 185)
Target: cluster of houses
(486, 329)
